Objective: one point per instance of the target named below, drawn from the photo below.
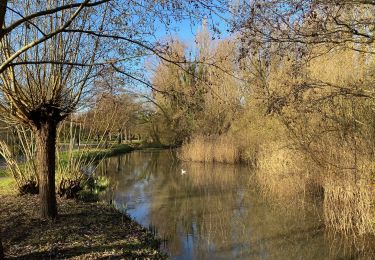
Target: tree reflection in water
(215, 210)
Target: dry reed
(210, 149)
(281, 172)
(347, 207)
(347, 194)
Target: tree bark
(1, 250)
(106, 141)
(46, 159)
(3, 9)
(119, 137)
(125, 135)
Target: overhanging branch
(43, 13)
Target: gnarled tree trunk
(46, 159)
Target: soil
(82, 231)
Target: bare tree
(50, 52)
(344, 23)
(304, 30)
(313, 60)
(43, 74)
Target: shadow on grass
(97, 252)
(82, 230)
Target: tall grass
(74, 165)
(327, 149)
(210, 149)
(347, 194)
(348, 206)
(22, 166)
(281, 171)
(347, 171)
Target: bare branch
(6, 63)
(47, 12)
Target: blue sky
(186, 31)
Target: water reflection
(213, 211)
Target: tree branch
(6, 63)
(46, 12)
(3, 8)
(137, 79)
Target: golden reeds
(210, 149)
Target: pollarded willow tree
(44, 84)
(51, 50)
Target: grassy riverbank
(82, 230)
(96, 153)
(7, 186)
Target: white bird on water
(183, 172)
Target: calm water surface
(214, 211)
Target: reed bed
(281, 171)
(348, 206)
(347, 195)
(210, 149)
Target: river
(214, 211)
